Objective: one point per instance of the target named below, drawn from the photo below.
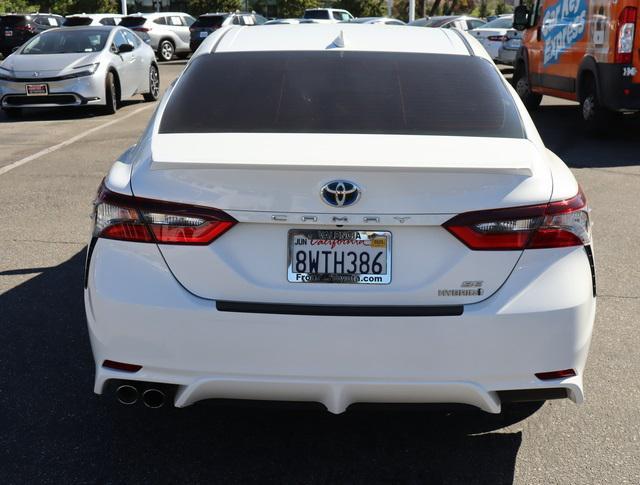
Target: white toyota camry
(340, 214)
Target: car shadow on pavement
(562, 132)
(63, 113)
(57, 431)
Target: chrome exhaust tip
(127, 395)
(153, 398)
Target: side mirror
(124, 48)
(521, 17)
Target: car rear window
(342, 92)
(14, 20)
(132, 21)
(74, 21)
(317, 14)
(208, 22)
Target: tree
(501, 8)
(364, 8)
(198, 7)
(294, 8)
(7, 6)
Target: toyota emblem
(340, 193)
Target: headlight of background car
(87, 70)
(5, 74)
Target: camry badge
(340, 193)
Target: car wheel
(154, 84)
(521, 84)
(166, 50)
(597, 119)
(12, 112)
(111, 95)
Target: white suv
(169, 32)
(328, 15)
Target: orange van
(580, 50)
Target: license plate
(338, 256)
(8, 33)
(203, 34)
(37, 89)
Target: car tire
(522, 86)
(111, 95)
(166, 50)
(596, 118)
(12, 112)
(154, 84)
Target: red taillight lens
(129, 218)
(497, 38)
(626, 33)
(557, 224)
(112, 364)
(141, 29)
(25, 28)
(556, 374)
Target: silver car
(169, 32)
(78, 66)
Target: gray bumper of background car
(86, 90)
(506, 56)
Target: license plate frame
(337, 238)
(39, 89)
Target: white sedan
(492, 34)
(379, 222)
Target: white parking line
(71, 140)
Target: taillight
(141, 29)
(497, 38)
(554, 225)
(26, 28)
(128, 218)
(626, 33)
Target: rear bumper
(540, 320)
(617, 92)
(87, 90)
(506, 56)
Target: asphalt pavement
(53, 429)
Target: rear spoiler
(284, 151)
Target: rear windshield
(316, 14)
(132, 21)
(210, 21)
(67, 41)
(342, 92)
(73, 21)
(14, 20)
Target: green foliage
(7, 6)
(501, 7)
(400, 10)
(198, 7)
(294, 8)
(364, 8)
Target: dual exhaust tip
(129, 395)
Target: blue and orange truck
(581, 50)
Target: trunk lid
(410, 186)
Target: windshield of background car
(342, 92)
(132, 21)
(67, 42)
(317, 14)
(501, 23)
(209, 22)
